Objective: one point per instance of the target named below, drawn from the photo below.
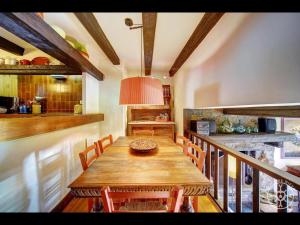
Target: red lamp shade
(141, 91)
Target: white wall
(35, 171)
(257, 64)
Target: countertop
(148, 122)
(19, 127)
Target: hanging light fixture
(140, 90)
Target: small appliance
(267, 125)
(9, 103)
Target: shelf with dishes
(38, 70)
(50, 39)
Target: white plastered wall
(257, 64)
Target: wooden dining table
(122, 169)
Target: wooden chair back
(87, 160)
(175, 195)
(201, 155)
(143, 132)
(183, 143)
(103, 143)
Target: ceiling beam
(34, 30)
(149, 25)
(11, 47)
(89, 21)
(208, 21)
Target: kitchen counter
(23, 115)
(23, 125)
(149, 122)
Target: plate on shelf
(143, 145)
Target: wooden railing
(284, 178)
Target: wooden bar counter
(14, 126)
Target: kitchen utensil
(3, 110)
(78, 109)
(7, 61)
(77, 45)
(143, 145)
(84, 54)
(36, 108)
(40, 14)
(59, 30)
(40, 61)
(25, 62)
(43, 102)
(23, 108)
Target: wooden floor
(205, 204)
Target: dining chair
(201, 155)
(143, 132)
(183, 143)
(174, 195)
(85, 156)
(86, 159)
(199, 163)
(103, 143)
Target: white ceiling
(172, 32)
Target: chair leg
(196, 203)
(90, 204)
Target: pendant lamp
(140, 90)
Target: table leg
(187, 205)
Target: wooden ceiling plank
(34, 30)
(89, 21)
(208, 21)
(11, 47)
(149, 25)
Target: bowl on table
(143, 145)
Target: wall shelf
(254, 137)
(34, 30)
(38, 70)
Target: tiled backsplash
(61, 95)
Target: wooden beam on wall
(38, 70)
(89, 21)
(272, 111)
(208, 21)
(11, 47)
(38, 33)
(149, 25)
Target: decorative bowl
(40, 61)
(143, 145)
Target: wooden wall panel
(61, 95)
(8, 85)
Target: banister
(274, 172)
